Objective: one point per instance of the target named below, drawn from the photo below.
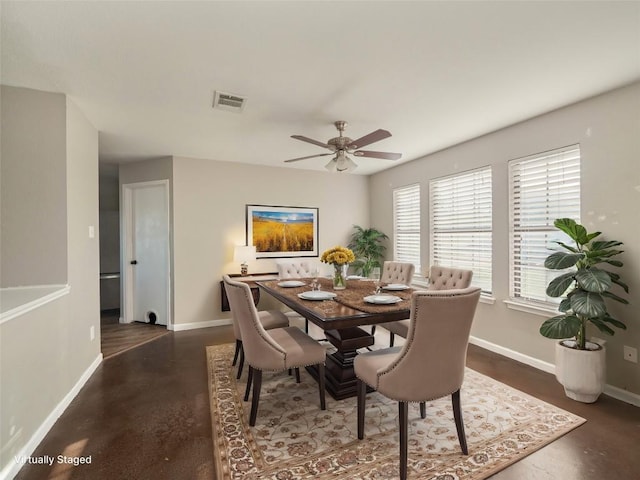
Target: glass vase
(340, 276)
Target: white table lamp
(244, 254)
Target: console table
(249, 280)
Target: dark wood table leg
(339, 375)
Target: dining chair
(395, 272)
(268, 318)
(440, 278)
(277, 349)
(288, 269)
(294, 269)
(430, 365)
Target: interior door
(147, 255)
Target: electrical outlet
(92, 333)
(630, 354)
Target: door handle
(134, 262)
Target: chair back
(444, 278)
(397, 272)
(431, 362)
(260, 350)
(294, 269)
(236, 326)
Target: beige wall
(109, 208)
(209, 219)
(608, 131)
(83, 248)
(207, 203)
(46, 354)
(109, 212)
(33, 243)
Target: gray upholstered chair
(395, 272)
(440, 278)
(430, 365)
(274, 350)
(269, 319)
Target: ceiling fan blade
(383, 155)
(310, 140)
(370, 138)
(310, 156)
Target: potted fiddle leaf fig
(366, 244)
(586, 287)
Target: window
(406, 225)
(461, 226)
(542, 188)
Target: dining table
(342, 317)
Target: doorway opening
(145, 264)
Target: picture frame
(281, 231)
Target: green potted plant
(580, 364)
(366, 244)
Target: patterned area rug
(294, 439)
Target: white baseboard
(176, 327)
(512, 354)
(614, 392)
(12, 469)
(623, 395)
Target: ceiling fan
(341, 146)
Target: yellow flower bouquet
(340, 258)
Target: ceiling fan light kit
(341, 163)
(341, 146)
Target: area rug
(294, 439)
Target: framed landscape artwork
(279, 232)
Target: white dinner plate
(291, 283)
(396, 286)
(355, 277)
(382, 299)
(316, 295)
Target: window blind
(461, 224)
(406, 225)
(542, 187)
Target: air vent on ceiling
(229, 101)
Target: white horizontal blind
(461, 226)
(406, 225)
(542, 188)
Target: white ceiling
(432, 73)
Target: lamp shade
(244, 253)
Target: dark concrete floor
(144, 414)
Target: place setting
(382, 298)
(316, 293)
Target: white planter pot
(581, 372)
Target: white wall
(608, 131)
